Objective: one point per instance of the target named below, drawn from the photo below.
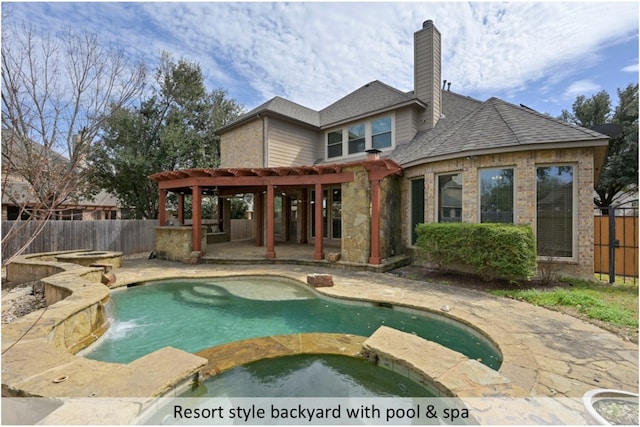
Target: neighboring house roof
(493, 125)
(18, 193)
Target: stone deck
(545, 353)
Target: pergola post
(196, 231)
(181, 208)
(258, 200)
(318, 253)
(303, 215)
(375, 223)
(271, 253)
(162, 208)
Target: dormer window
(359, 137)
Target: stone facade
(176, 243)
(356, 218)
(242, 147)
(524, 164)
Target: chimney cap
(428, 23)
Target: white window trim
(574, 209)
(479, 196)
(368, 137)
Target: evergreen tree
(173, 129)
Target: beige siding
(242, 147)
(291, 145)
(406, 127)
(427, 47)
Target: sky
(539, 54)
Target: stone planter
(611, 407)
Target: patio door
(331, 212)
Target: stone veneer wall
(524, 164)
(242, 147)
(175, 243)
(356, 217)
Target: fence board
(241, 229)
(626, 253)
(127, 236)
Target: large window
(450, 197)
(360, 137)
(555, 210)
(496, 195)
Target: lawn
(610, 306)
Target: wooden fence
(127, 236)
(627, 250)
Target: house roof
(492, 125)
(370, 98)
(280, 107)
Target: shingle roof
(282, 107)
(494, 124)
(369, 98)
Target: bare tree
(57, 90)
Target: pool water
(193, 315)
(309, 376)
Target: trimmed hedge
(492, 250)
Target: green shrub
(492, 250)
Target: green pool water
(196, 314)
(309, 376)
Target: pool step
(191, 296)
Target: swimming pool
(194, 314)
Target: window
(555, 210)
(334, 144)
(356, 139)
(376, 133)
(450, 198)
(417, 206)
(496, 195)
(381, 132)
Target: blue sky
(540, 54)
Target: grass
(614, 305)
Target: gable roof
(369, 99)
(280, 107)
(492, 126)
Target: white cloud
(314, 53)
(631, 68)
(582, 87)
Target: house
(23, 163)
(364, 171)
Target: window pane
(381, 132)
(356, 139)
(496, 195)
(381, 125)
(382, 140)
(450, 198)
(334, 144)
(554, 216)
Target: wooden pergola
(263, 182)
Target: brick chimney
(427, 72)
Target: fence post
(612, 244)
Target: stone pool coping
(545, 353)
